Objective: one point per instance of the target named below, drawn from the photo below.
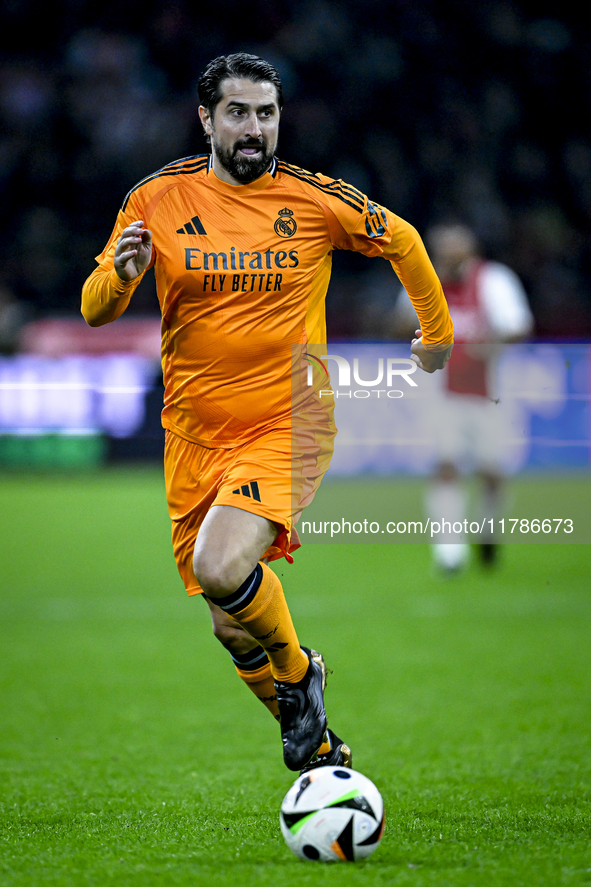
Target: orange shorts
(256, 477)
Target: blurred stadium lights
(74, 392)
(76, 396)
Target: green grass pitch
(130, 754)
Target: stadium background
(431, 108)
(473, 110)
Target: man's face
(243, 130)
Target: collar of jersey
(258, 185)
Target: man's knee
(215, 577)
(491, 481)
(447, 472)
(227, 548)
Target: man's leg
(446, 505)
(490, 508)
(228, 549)
(253, 667)
(250, 659)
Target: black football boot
(301, 713)
(339, 755)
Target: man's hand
(133, 252)
(429, 360)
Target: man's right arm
(108, 290)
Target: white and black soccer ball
(331, 814)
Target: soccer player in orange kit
(241, 244)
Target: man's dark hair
(239, 64)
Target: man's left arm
(359, 224)
(406, 252)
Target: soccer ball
(331, 814)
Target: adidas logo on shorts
(251, 491)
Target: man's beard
(244, 169)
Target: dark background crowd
(473, 111)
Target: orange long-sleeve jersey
(242, 273)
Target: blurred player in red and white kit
(489, 308)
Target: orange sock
(267, 619)
(263, 686)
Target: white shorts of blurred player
(469, 437)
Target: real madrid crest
(286, 225)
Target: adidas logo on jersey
(251, 491)
(195, 226)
